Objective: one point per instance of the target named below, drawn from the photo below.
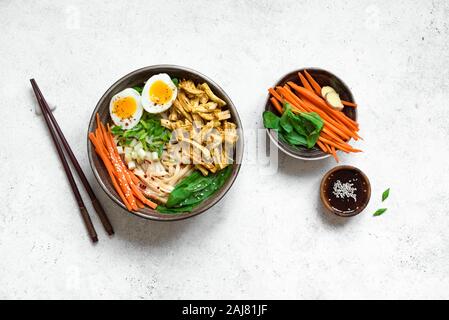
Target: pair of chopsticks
(55, 132)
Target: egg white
(132, 121)
(149, 105)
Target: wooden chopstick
(95, 203)
(79, 200)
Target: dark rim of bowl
(292, 151)
(326, 203)
(238, 153)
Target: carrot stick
(335, 132)
(109, 168)
(140, 204)
(278, 98)
(119, 191)
(127, 175)
(332, 135)
(98, 135)
(289, 95)
(328, 149)
(312, 97)
(338, 145)
(114, 154)
(125, 168)
(343, 145)
(346, 148)
(121, 176)
(298, 103)
(97, 118)
(275, 94)
(314, 84)
(344, 118)
(326, 129)
(126, 187)
(290, 100)
(349, 104)
(334, 154)
(321, 145)
(141, 197)
(98, 131)
(330, 125)
(336, 121)
(133, 177)
(333, 143)
(334, 125)
(319, 102)
(100, 150)
(276, 104)
(304, 82)
(316, 99)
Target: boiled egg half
(159, 93)
(126, 109)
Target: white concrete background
(268, 237)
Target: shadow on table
(332, 220)
(312, 170)
(143, 232)
(290, 166)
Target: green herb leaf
(148, 131)
(379, 212)
(117, 130)
(385, 194)
(138, 89)
(175, 81)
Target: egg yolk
(125, 108)
(160, 92)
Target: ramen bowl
(136, 78)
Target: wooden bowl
(324, 78)
(137, 78)
(363, 185)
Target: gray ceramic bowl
(137, 78)
(324, 78)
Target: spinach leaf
(295, 138)
(193, 190)
(298, 124)
(301, 129)
(163, 209)
(175, 81)
(270, 120)
(286, 122)
(314, 119)
(309, 125)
